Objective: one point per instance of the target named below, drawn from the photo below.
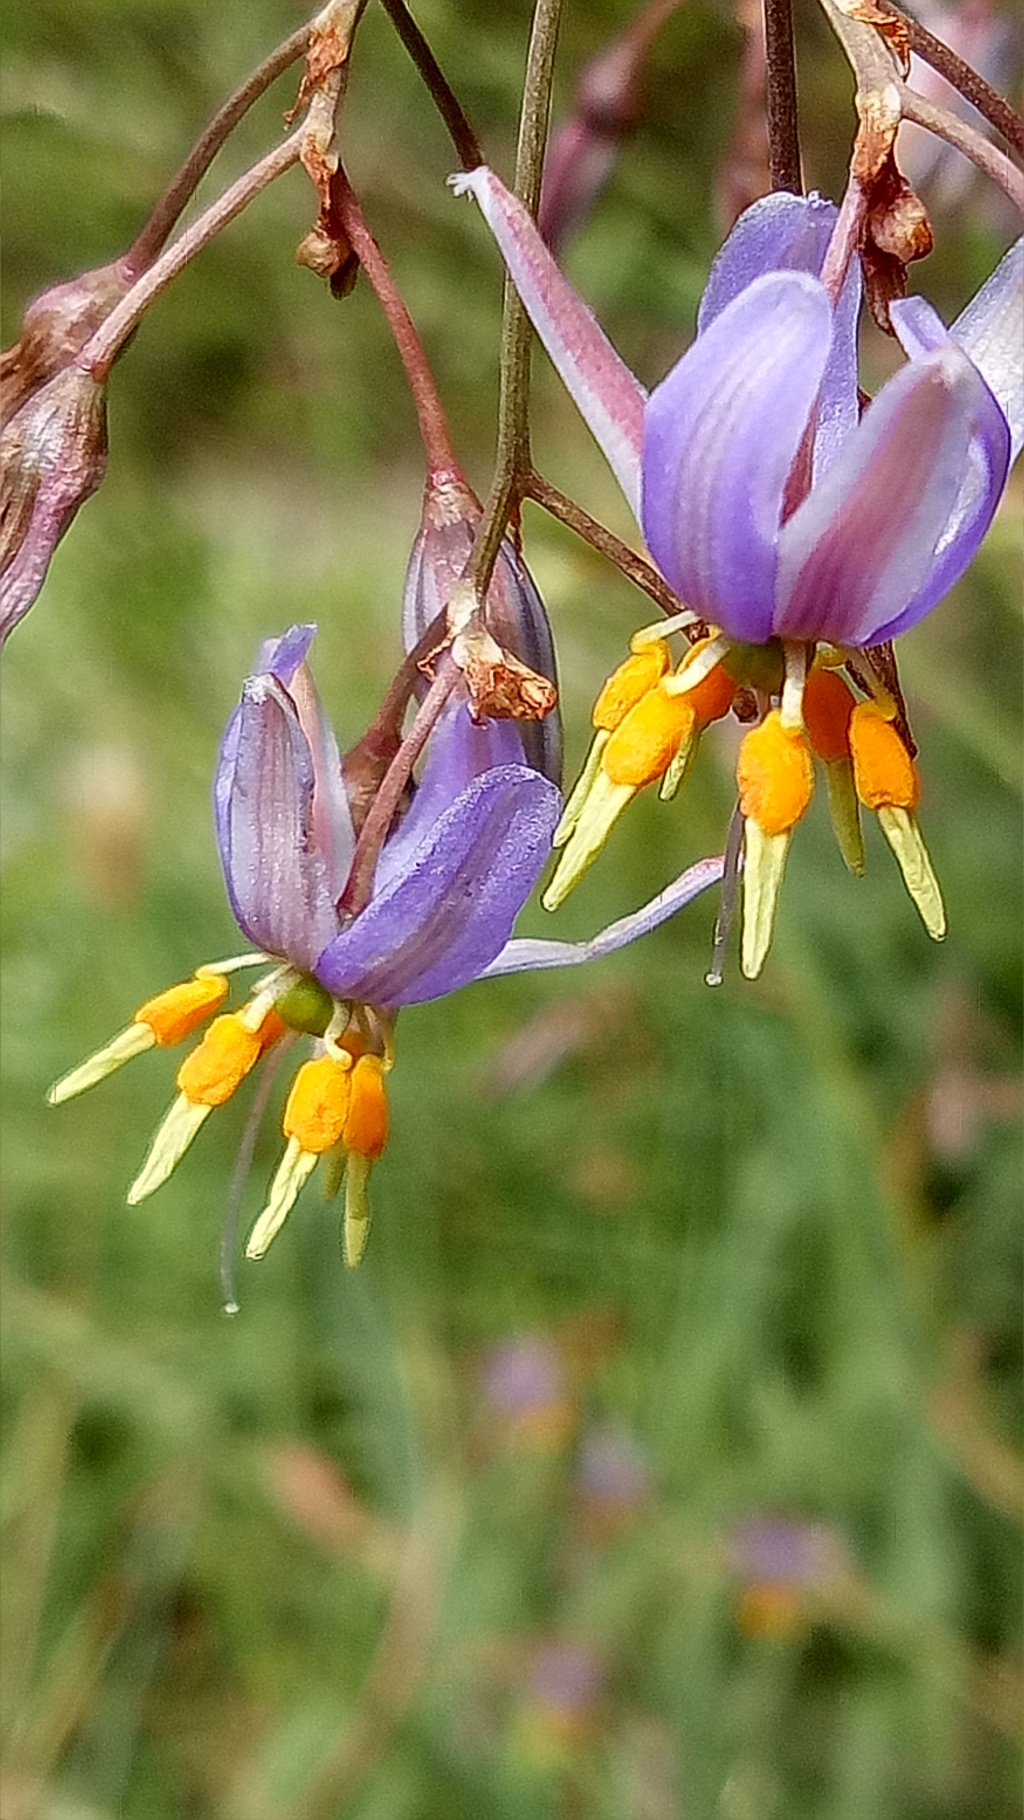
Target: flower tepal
(450, 880)
(798, 530)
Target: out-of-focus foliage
(663, 1458)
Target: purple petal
(332, 832)
(869, 550)
(459, 750)
(437, 924)
(527, 955)
(610, 399)
(990, 331)
(721, 434)
(263, 797)
(779, 233)
(784, 233)
(282, 656)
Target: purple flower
(900, 499)
(800, 530)
(450, 880)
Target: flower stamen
(886, 781)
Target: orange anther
(366, 1127)
(645, 744)
(317, 1105)
(775, 775)
(828, 706)
(271, 1030)
(883, 771)
(209, 1075)
(174, 1014)
(629, 683)
(713, 696)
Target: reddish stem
(374, 832)
(433, 423)
(152, 236)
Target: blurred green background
(662, 1460)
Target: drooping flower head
(797, 531)
(450, 879)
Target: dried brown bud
(515, 613)
(500, 687)
(896, 231)
(325, 250)
(53, 454)
(55, 328)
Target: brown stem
(967, 82)
(634, 567)
(462, 135)
(99, 352)
(374, 831)
(967, 139)
(780, 97)
(150, 240)
(433, 424)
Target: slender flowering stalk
(449, 881)
(798, 530)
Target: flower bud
(53, 454)
(516, 616)
(55, 329)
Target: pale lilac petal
(785, 233)
(436, 926)
(525, 955)
(982, 480)
(859, 557)
(990, 331)
(332, 831)
(610, 399)
(721, 434)
(263, 797)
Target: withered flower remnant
(53, 454)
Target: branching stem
(967, 139)
(633, 566)
(102, 348)
(150, 240)
(967, 82)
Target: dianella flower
(450, 879)
(796, 532)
